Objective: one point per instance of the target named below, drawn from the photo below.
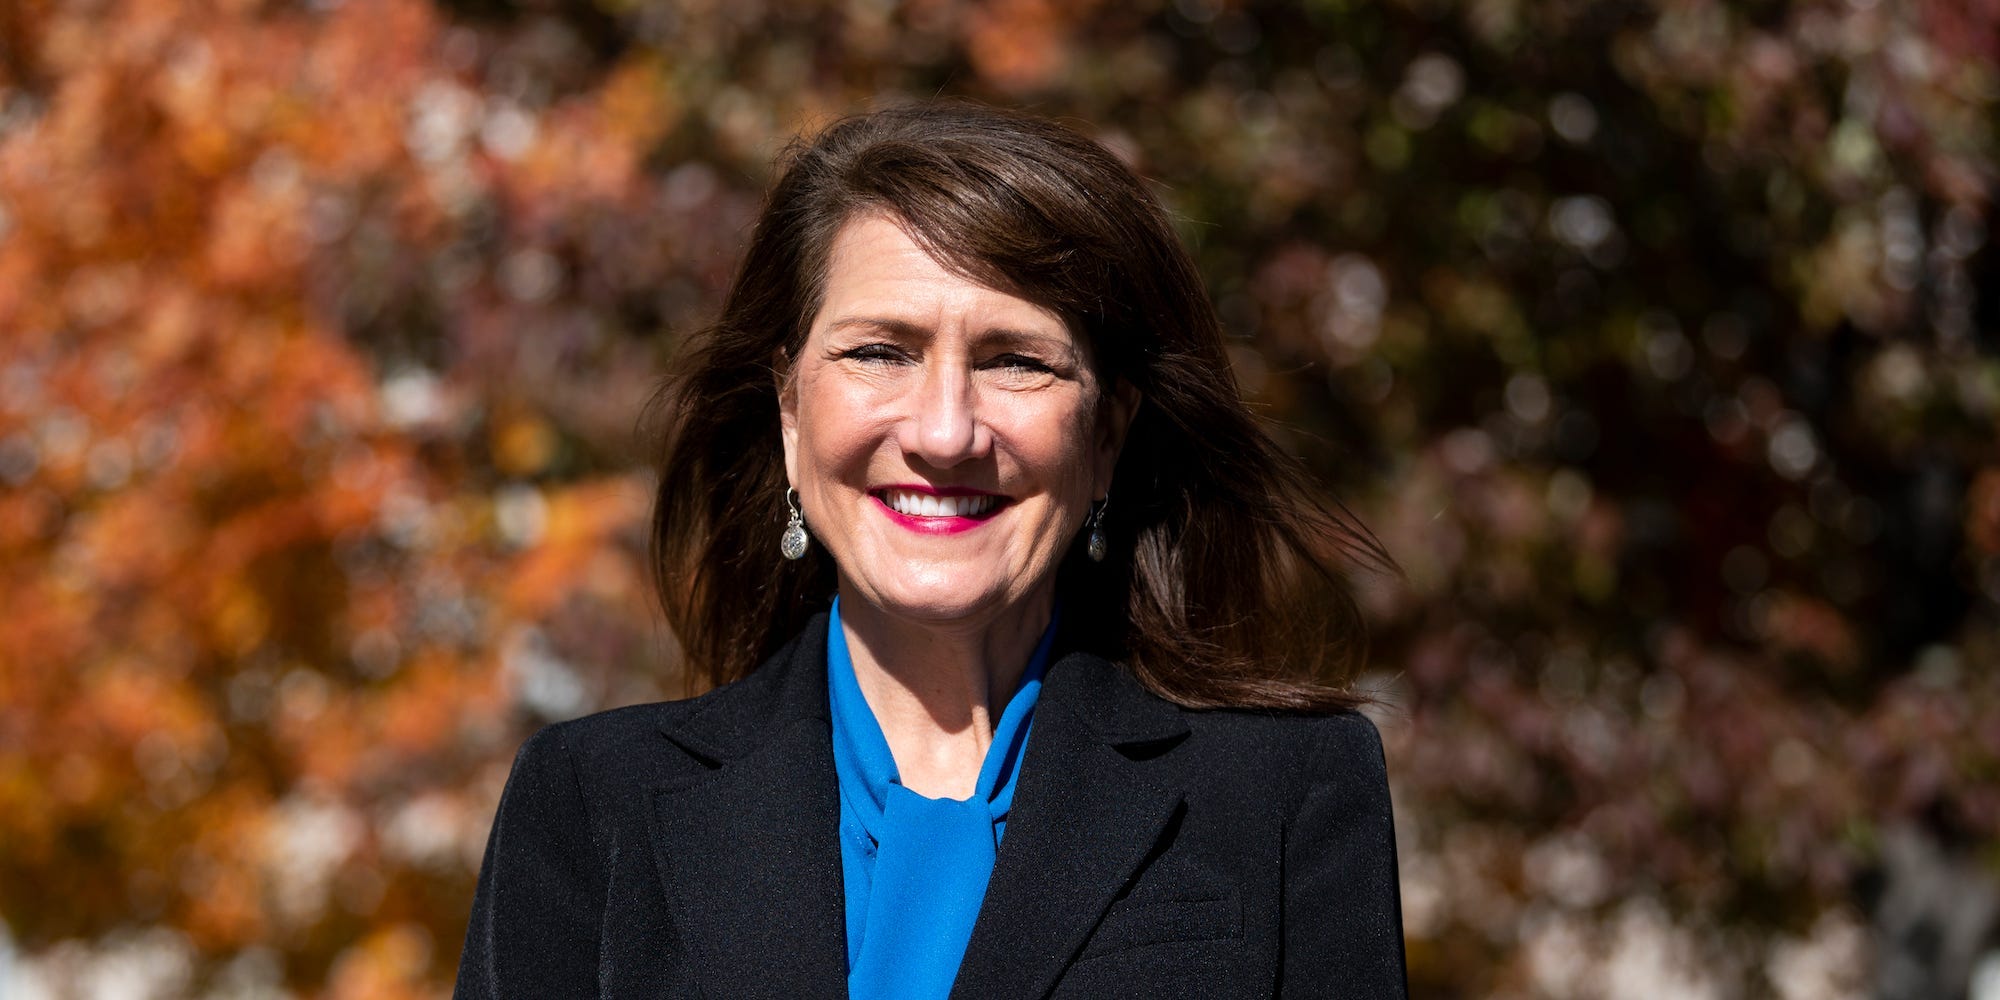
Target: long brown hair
(1224, 582)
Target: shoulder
(661, 742)
(573, 761)
(611, 731)
(617, 729)
(1298, 751)
(1345, 730)
(1252, 751)
(616, 749)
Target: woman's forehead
(881, 279)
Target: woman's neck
(938, 690)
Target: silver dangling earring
(793, 545)
(1095, 547)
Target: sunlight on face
(946, 439)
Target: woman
(995, 577)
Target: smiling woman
(884, 531)
(946, 440)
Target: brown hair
(1222, 586)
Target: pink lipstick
(937, 510)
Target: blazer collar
(750, 855)
(1094, 796)
(749, 850)
(788, 688)
(1103, 696)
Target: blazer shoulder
(1342, 732)
(1302, 751)
(615, 747)
(618, 728)
(1346, 749)
(1348, 734)
(1340, 845)
(614, 728)
(718, 722)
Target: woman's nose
(943, 425)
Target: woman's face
(946, 439)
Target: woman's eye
(872, 352)
(1020, 362)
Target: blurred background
(1655, 338)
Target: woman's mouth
(916, 504)
(941, 511)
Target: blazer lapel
(750, 851)
(1087, 811)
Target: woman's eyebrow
(990, 337)
(1053, 347)
(894, 327)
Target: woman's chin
(934, 609)
(935, 604)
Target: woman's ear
(1114, 421)
(783, 372)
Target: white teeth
(916, 504)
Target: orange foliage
(257, 598)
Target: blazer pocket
(1137, 922)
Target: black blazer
(689, 848)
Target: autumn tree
(1656, 341)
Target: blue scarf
(915, 868)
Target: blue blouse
(915, 868)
